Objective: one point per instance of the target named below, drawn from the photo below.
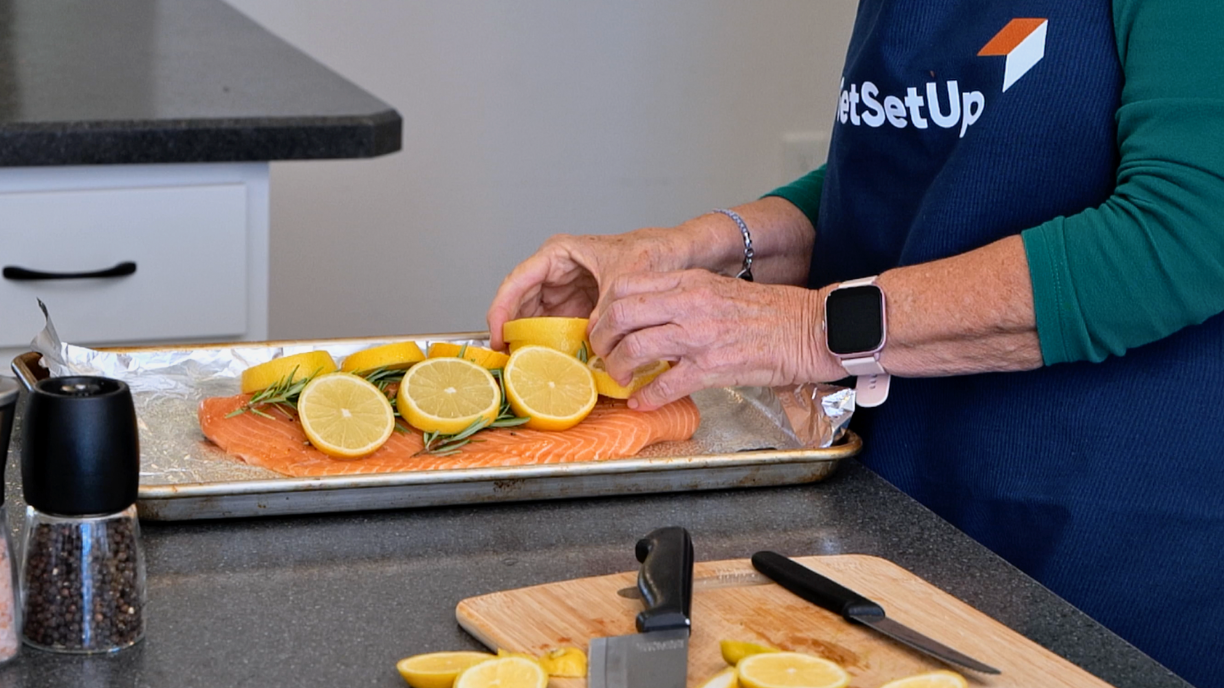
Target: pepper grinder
(83, 577)
(10, 610)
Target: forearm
(782, 239)
(971, 313)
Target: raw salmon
(612, 431)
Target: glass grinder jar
(83, 573)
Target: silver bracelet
(746, 272)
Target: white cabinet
(195, 234)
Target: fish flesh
(611, 431)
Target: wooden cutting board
(732, 601)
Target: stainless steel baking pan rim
(849, 446)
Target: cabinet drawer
(189, 245)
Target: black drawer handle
(13, 272)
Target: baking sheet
(745, 439)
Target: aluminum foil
(168, 384)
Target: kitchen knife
(832, 596)
(657, 657)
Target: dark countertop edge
(199, 140)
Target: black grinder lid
(80, 447)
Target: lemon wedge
(565, 662)
(608, 387)
(934, 679)
(554, 390)
(735, 650)
(482, 356)
(504, 672)
(446, 395)
(563, 334)
(723, 679)
(789, 670)
(394, 356)
(300, 366)
(344, 416)
(437, 669)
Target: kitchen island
(336, 600)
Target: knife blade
(656, 656)
(830, 595)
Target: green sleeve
(1150, 260)
(804, 193)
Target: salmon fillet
(612, 431)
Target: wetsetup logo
(1021, 42)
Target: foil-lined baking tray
(748, 437)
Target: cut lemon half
(608, 387)
(735, 650)
(934, 679)
(438, 669)
(345, 416)
(446, 395)
(554, 390)
(563, 334)
(723, 679)
(504, 672)
(790, 670)
(565, 662)
(484, 357)
(394, 356)
(300, 366)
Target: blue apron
(958, 126)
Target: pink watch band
(871, 388)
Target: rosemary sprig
(583, 354)
(283, 395)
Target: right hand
(568, 274)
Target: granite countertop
(336, 600)
(160, 81)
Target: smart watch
(856, 329)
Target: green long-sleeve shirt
(1150, 260)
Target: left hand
(717, 331)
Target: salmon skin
(612, 431)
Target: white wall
(523, 118)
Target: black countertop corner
(162, 81)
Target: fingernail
(633, 403)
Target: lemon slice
(437, 669)
(611, 388)
(299, 366)
(565, 662)
(345, 416)
(554, 390)
(934, 679)
(789, 670)
(504, 672)
(563, 334)
(723, 679)
(484, 357)
(447, 395)
(394, 356)
(735, 650)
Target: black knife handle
(665, 579)
(815, 588)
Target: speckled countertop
(158, 81)
(335, 600)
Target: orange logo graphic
(1022, 41)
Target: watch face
(854, 320)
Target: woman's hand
(717, 331)
(565, 276)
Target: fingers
(556, 280)
(678, 382)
